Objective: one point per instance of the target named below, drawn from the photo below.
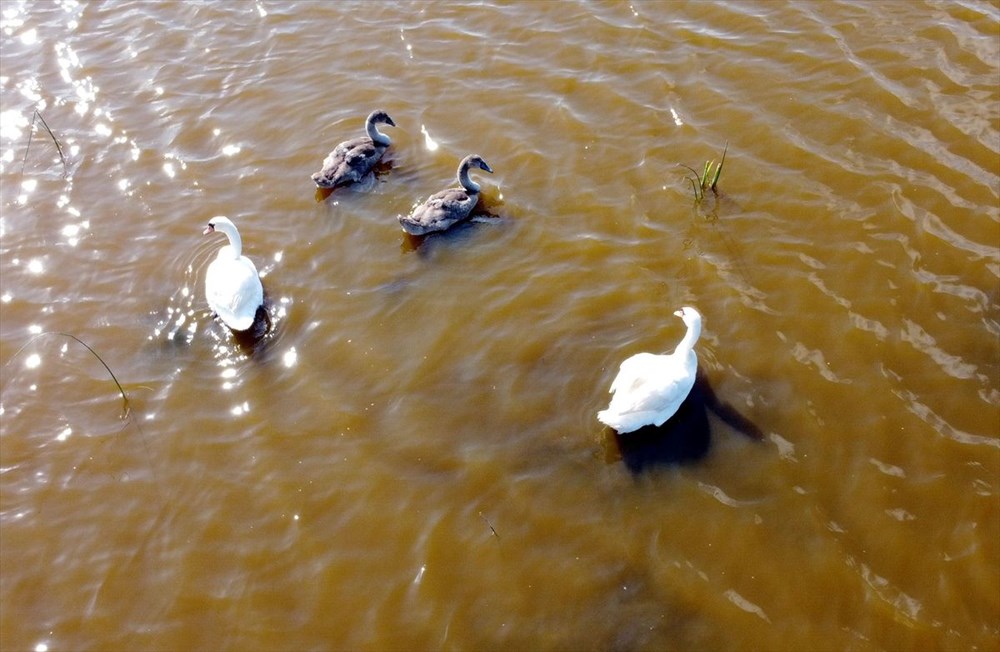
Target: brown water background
(411, 461)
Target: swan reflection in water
(684, 438)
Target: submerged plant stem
(126, 405)
(62, 156)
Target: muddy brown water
(411, 459)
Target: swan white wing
(635, 370)
(234, 291)
(648, 390)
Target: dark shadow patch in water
(684, 438)
(254, 341)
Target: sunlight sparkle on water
(241, 409)
(228, 374)
(290, 357)
(71, 232)
(28, 186)
(42, 647)
(429, 142)
(31, 90)
(230, 150)
(33, 361)
(35, 266)
(9, 19)
(168, 169)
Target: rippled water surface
(411, 458)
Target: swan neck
(235, 242)
(463, 178)
(692, 335)
(376, 135)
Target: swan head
(219, 223)
(471, 161)
(689, 315)
(692, 319)
(376, 118)
(475, 161)
(223, 224)
(379, 116)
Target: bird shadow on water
(255, 341)
(684, 438)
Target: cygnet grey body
(448, 207)
(352, 160)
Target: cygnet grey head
(476, 161)
(379, 116)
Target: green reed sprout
(709, 179)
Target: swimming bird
(650, 388)
(351, 160)
(445, 208)
(232, 285)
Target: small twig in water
(492, 529)
(62, 157)
(126, 415)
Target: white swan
(445, 208)
(232, 285)
(351, 160)
(649, 388)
